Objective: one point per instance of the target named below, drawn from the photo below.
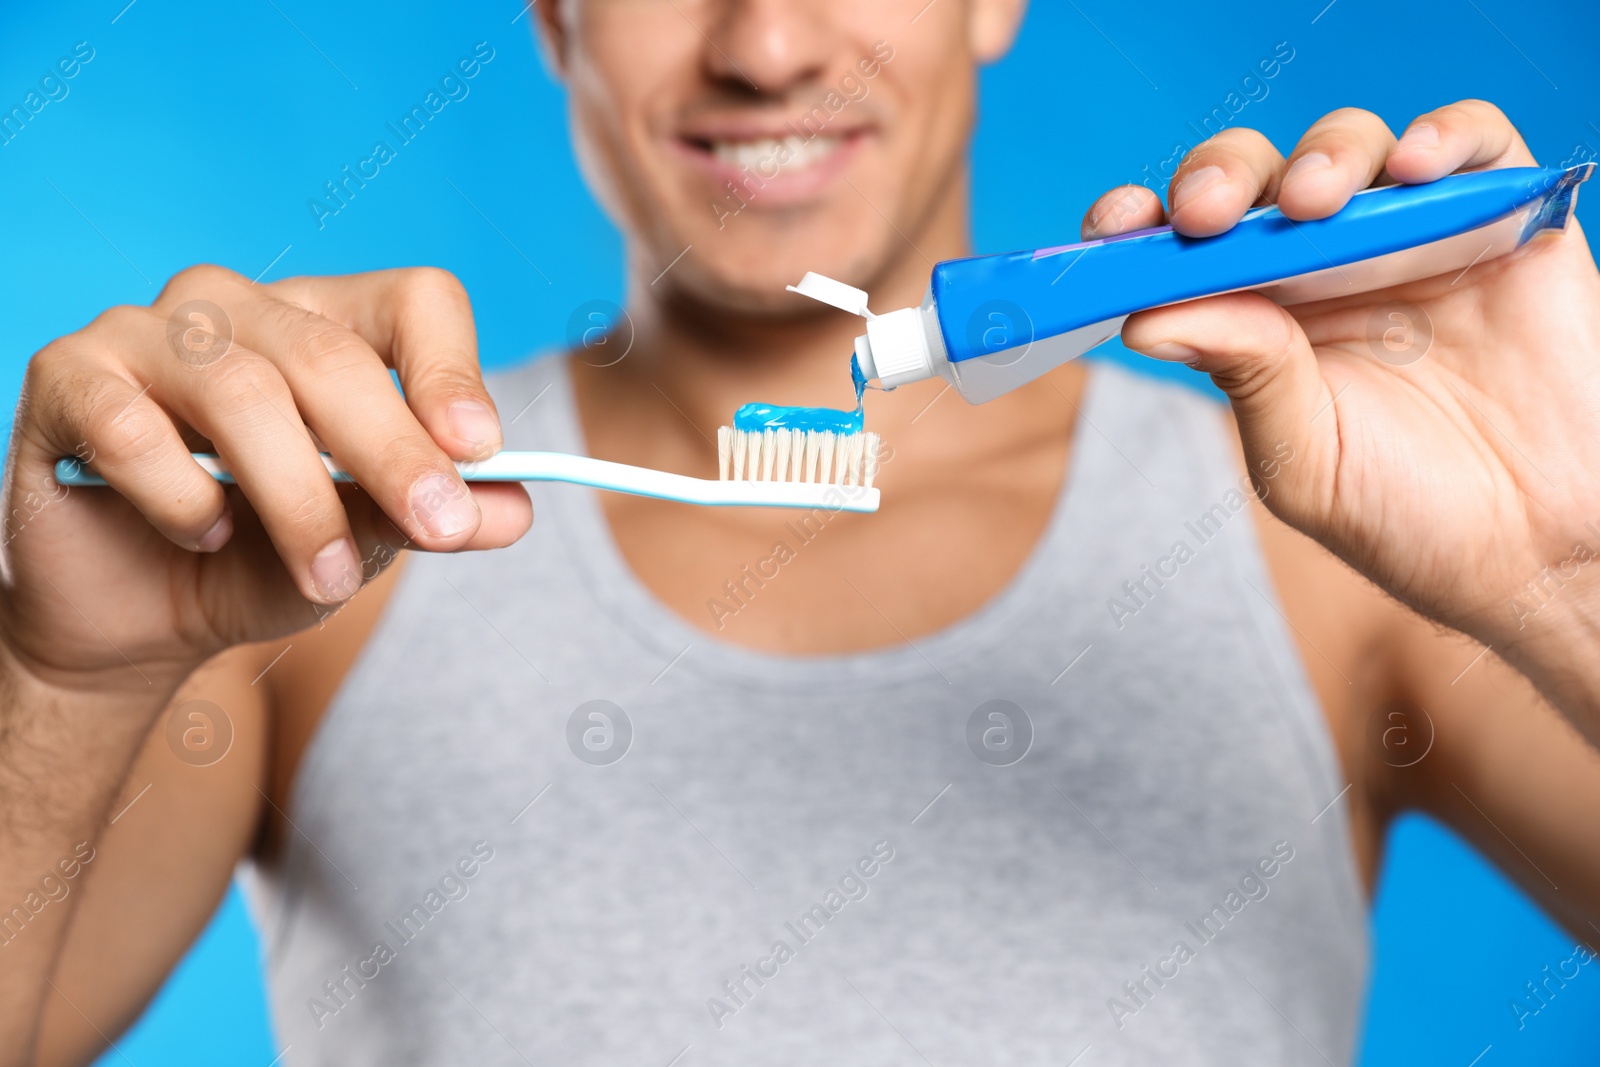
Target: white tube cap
(835, 293)
(895, 349)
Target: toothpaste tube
(992, 323)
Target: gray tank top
(547, 821)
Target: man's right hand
(142, 581)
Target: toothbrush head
(800, 456)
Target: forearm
(64, 755)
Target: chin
(750, 267)
(764, 290)
(722, 288)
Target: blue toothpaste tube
(992, 323)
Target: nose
(768, 46)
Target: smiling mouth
(791, 153)
(772, 168)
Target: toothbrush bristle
(784, 455)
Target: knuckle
(1239, 140)
(446, 381)
(119, 323)
(200, 278)
(1492, 116)
(1245, 379)
(431, 291)
(52, 362)
(410, 457)
(1348, 129)
(1472, 118)
(1461, 112)
(1444, 118)
(1346, 117)
(57, 385)
(319, 344)
(122, 333)
(1237, 151)
(243, 381)
(1270, 356)
(1482, 109)
(122, 433)
(316, 512)
(432, 283)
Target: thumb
(1259, 356)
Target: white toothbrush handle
(597, 473)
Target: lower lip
(788, 188)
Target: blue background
(199, 131)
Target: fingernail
(443, 505)
(336, 572)
(476, 424)
(1310, 163)
(1173, 352)
(1420, 136)
(218, 535)
(1196, 182)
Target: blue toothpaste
(758, 417)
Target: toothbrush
(771, 468)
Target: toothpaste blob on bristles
(783, 444)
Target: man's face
(773, 137)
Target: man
(997, 775)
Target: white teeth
(767, 155)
